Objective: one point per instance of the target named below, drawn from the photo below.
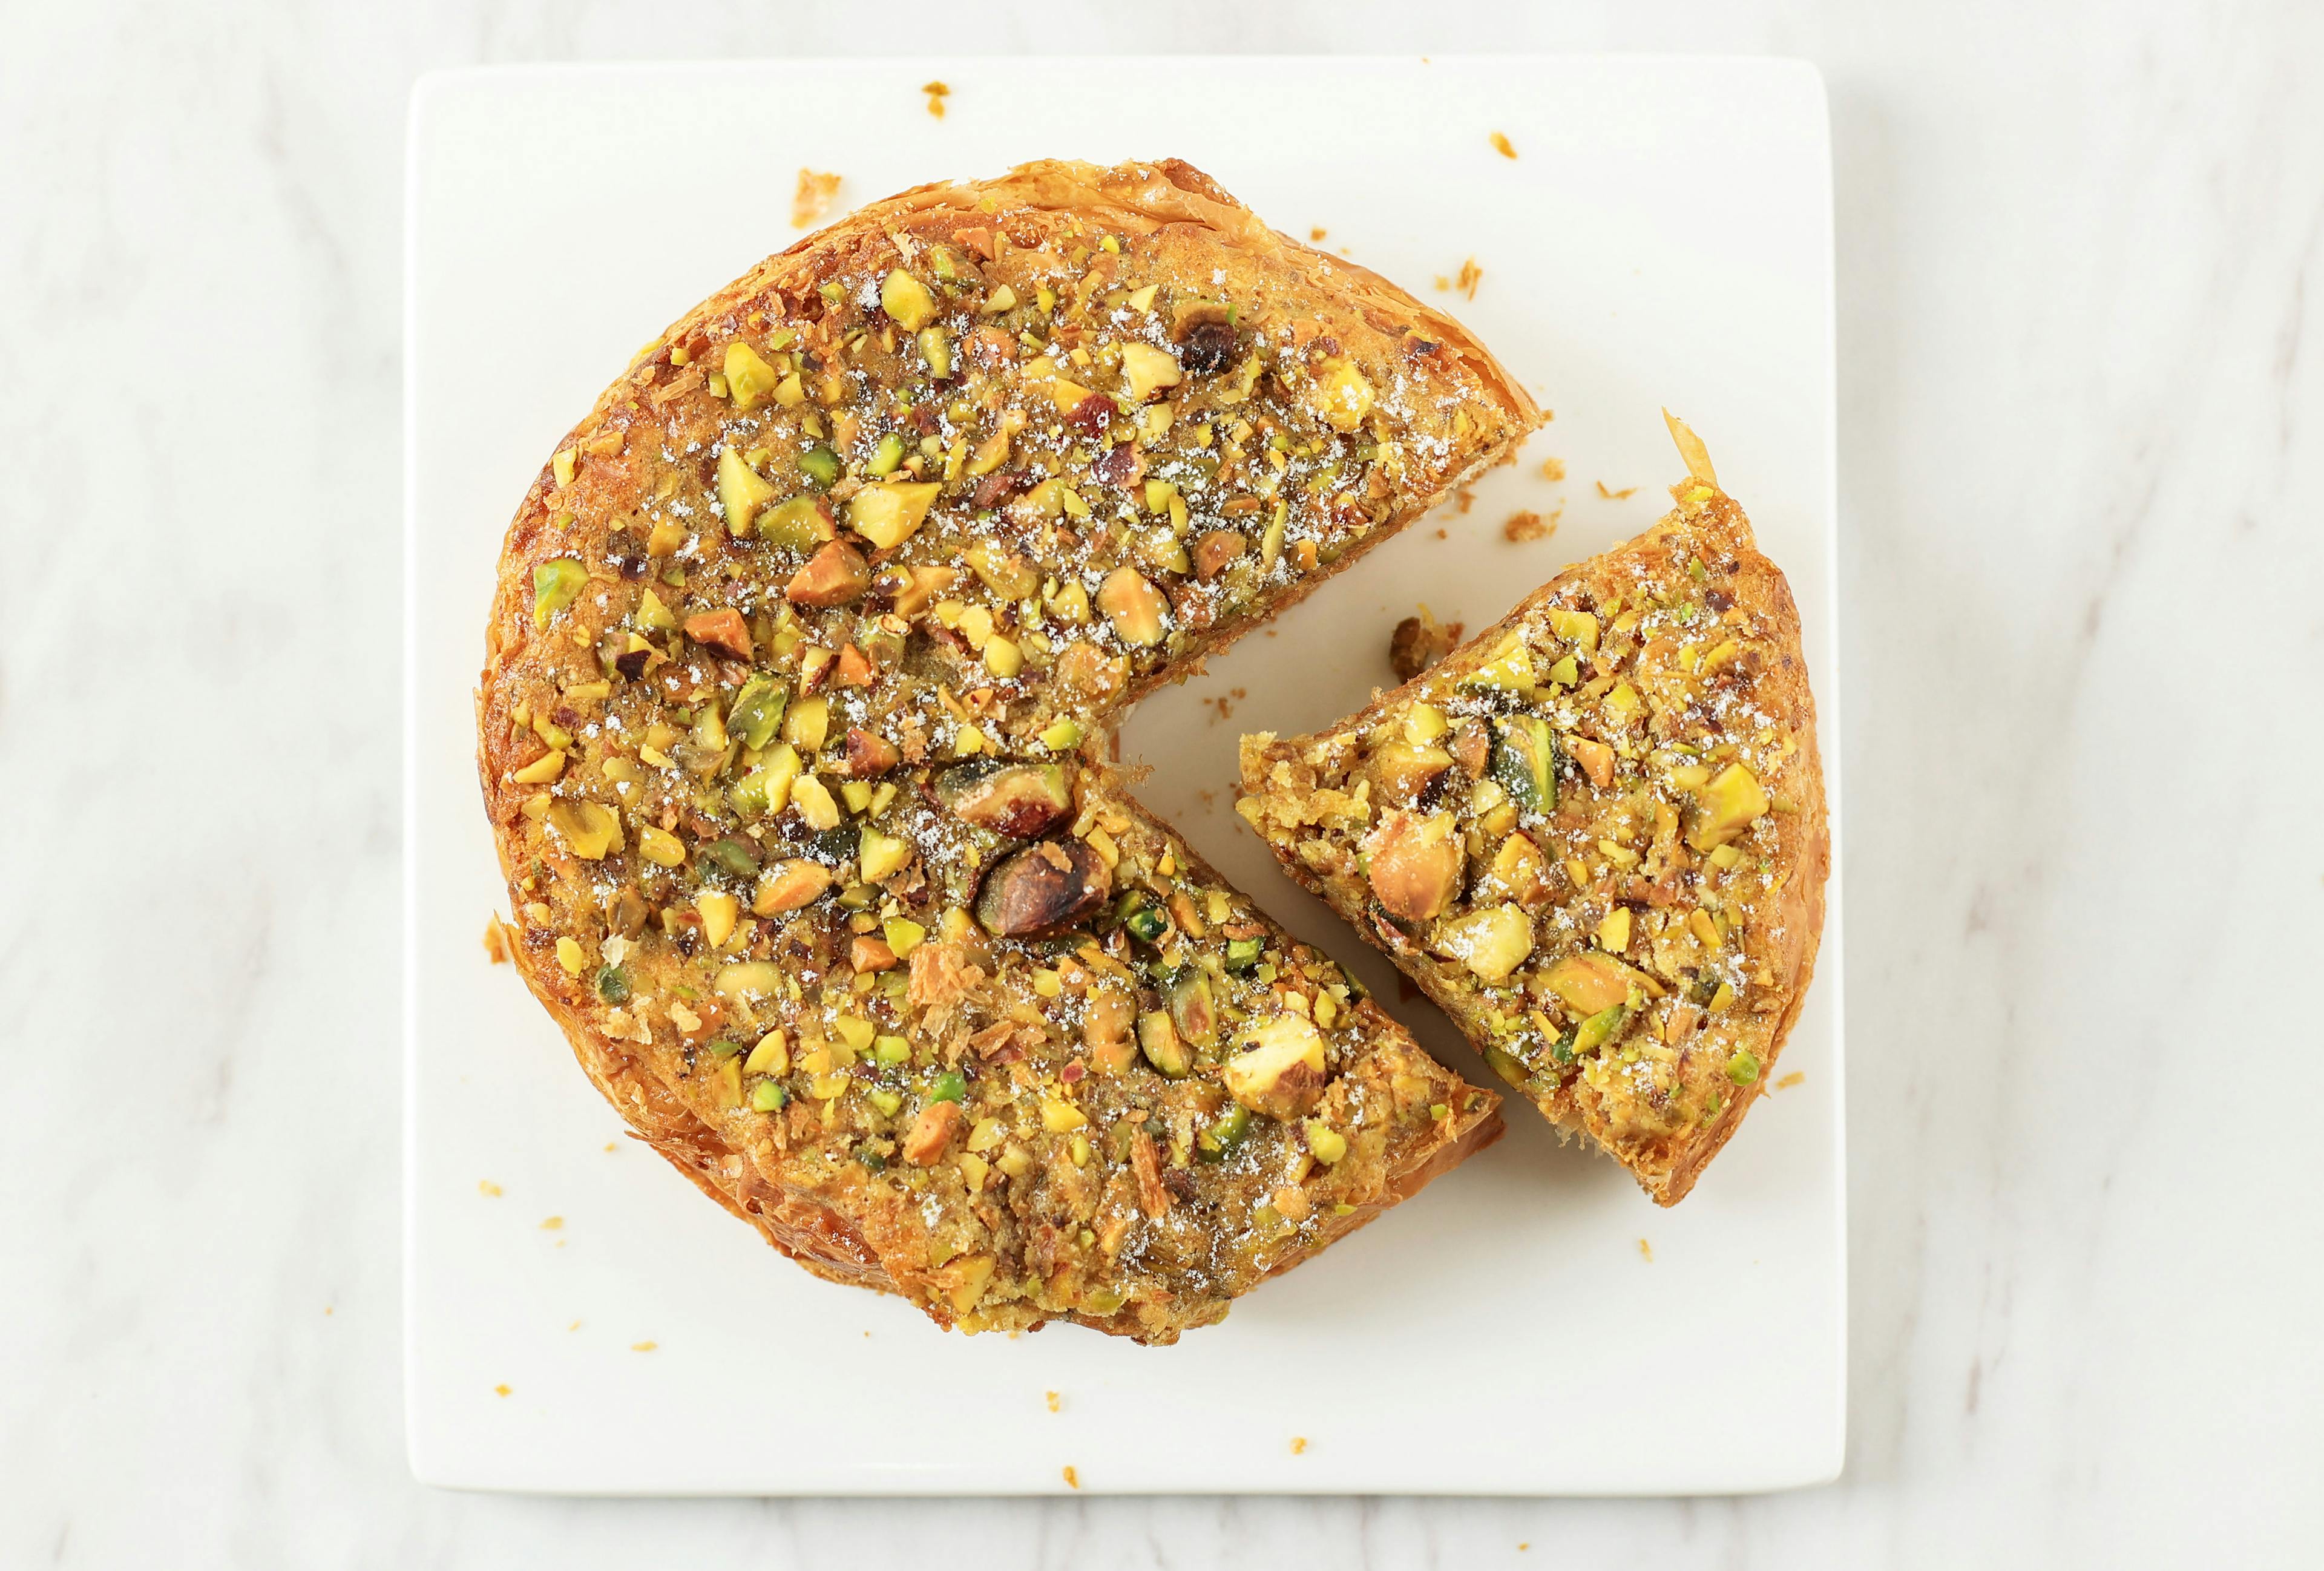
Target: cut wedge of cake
(802, 673)
(1594, 835)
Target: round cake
(794, 723)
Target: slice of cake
(1595, 835)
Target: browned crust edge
(819, 1239)
(1807, 840)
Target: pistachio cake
(801, 677)
(1594, 835)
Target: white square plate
(1663, 237)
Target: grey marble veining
(2082, 385)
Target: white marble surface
(2082, 381)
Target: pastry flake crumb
(1529, 525)
(1420, 641)
(1792, 1080)
(1051, 1398)
(1298, 1445)
(1317, 233)
(496, 943)
(1501, 145)
(643, 1346)
(1645, 1252)
(1553, 469)
(813, 199)
(551, 1224)
(502, 1390)
(1621, 495)
(1464, 499)
(937, 93)
(1468, 278)
(1073, 1478)
(488, 1189)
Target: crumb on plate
(1528, 525)
(813, 199)
(1420, 641)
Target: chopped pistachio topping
(815, 680)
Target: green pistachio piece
(820, 465)
(556, 584)
(1158, 1039)
(1525, 762)
(758, 710)
(799, 524)
(1600, 1029)
(1218, 1142)
(1191, 1011)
